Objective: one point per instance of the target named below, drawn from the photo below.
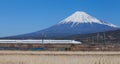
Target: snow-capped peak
(82, 17)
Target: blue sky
(24, 16)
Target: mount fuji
(77, 23)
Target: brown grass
(65, 57)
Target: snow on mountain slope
(82, 17)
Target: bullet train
(42, 41)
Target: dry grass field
(59, 57)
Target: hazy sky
(24, 16)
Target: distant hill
(109, 37)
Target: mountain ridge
(77, 23)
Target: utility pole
(43, 36)
(104, 39)
(98, 38)
(93, 40)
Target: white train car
(42, 41)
